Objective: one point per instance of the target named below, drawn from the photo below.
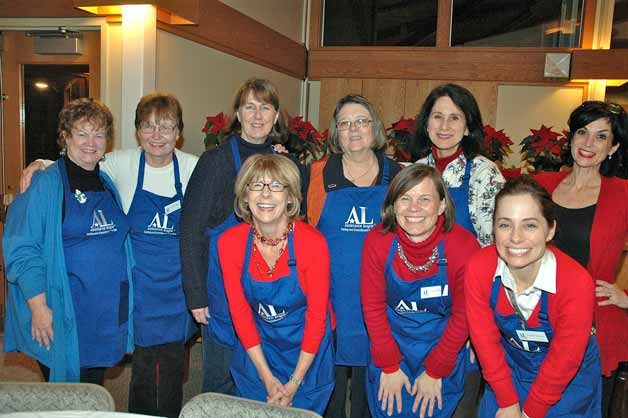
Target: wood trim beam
(186, 11)
(316, 24)
(588, 23)
(38, 8)
(443, 23)
(479, 64)
(225, 29)
(599, 64)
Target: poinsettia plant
(399, 135)
(545, 149)
(305, 141)
(496, 144)
(215, 129)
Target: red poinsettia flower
(404, 124)
(320, 137)
(215, 124)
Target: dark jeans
(216, 364)
(359, 405)
(95, 375)
(157, 380)
(608, 386)
(468, 405)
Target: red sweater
(609, 234)
(312, 258)
(459, 245)
(570, 315)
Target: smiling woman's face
(86, 144)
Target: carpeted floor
(18, 367)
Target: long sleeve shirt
(312, 258)
(459, 244)
(570, 315)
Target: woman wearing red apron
(413, 301)
(276, 275)
(345, 197)
(530, 313)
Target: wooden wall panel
(333, 89)
(387, 96)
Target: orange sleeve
(316, 192)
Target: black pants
(468, 405)
(216, 366)
(95, 375)
(608, 386)
(157, 380)
(359, 405)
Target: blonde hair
(276, 167)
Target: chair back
(217, 405)
(39, 396)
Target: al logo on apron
(417, 312)
(526, 348)
(279, 309)
(160, 313)
(348, 215)
(94, 231)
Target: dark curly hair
(591, 111)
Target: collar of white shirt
(545, 278)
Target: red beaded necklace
(273, 242)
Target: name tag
(537, 336)
(431, 292)
(174, 206)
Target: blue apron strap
(467, 172)
(64, 175)
(442, 271)
(292, 261)
(177, 177)
(386, 173)
(140, 172)
(543, 316)
(392, 251)
(236, 153)
(247, 255)
(497, 284)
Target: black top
(334, 178)
(574, 232)
(81, 179)
(207, 203)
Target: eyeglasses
(273, 186)
(147, 128)
(345, 125)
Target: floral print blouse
(486, 181)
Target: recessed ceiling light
(41, 85)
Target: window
(517, 23)
(619, 36)
(380, 23)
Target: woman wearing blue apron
(411, 287)
(276, 275)
(207, 212)
(65, 249)
(449, 134)
(344, 208)
(530, 315)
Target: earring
(610, 157)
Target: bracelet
(298, 382)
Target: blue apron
(220, 326)
(348, 215)
(581, 398)
(94, 231)
(417, 318)
(279, 308)
(160, 313)
(460, 197)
